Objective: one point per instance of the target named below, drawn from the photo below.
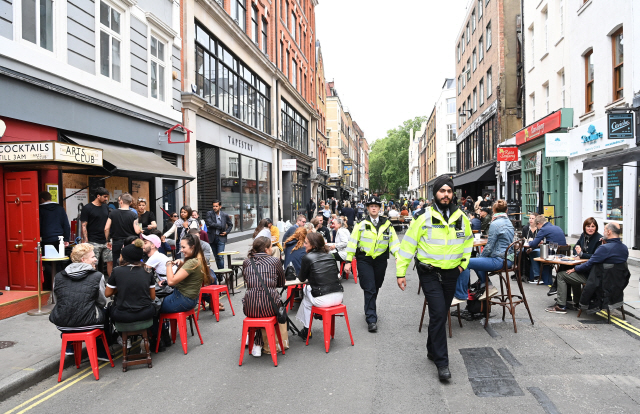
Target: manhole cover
(578, 327)
(6, 344)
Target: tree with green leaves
(389, 159)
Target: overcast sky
(388, 59)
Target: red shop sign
(533, 131)
(507, 153)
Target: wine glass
(554, 247)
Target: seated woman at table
(589, 240)
(528, 234)
(255, 302)
(191, 274)
(293, 250)
(339, 246)
(323, 288)
(501, 233)
(476, 224)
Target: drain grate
(579, 327)
(6, 344)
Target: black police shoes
(444, 373)
(373, 327)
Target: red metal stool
(329, 326)
(270, 324)
(214, 291)
(180, 319)
(290, 290)
(89, 338)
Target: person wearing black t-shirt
(122, 223)
(146, 219)
(94, 218)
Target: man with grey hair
(551, 234)
(339, 245)
(612, 251)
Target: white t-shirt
(158, 262)
(394, 213)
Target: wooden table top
(561, 262)
(481, 242)
(227, 253)
(293, 282)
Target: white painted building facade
(446, 132)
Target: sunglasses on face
(175, 215)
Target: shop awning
(133, 162)
(486, 173)
(617, 158)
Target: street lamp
(463, 112)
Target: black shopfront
(242, 183)
(296, 191)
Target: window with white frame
(458, 49)
(561, 16)
(473, 21)
(157, 69)
(451, 161)
(294, 72)
(239, 13)
(598, 193)
(451, 132)
(489, 83)
(480, 49)
(533, 107)
(479, 9)
(255, 33)
(110, 41)
(562, 84)
(481, 91)
(233, 166)
(547, 104)
(488, 35)
(533, 44)
(475, 60)
(459, 84)
(293, 25)
(265, 36)
(475, 99)
(463, 44)
(37, 22)
(546, 30)
(468, 33)
(451, 105)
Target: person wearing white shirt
(393, 213)
(339, 245)
(157, 261)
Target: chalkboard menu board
(614, 193)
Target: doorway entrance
(23, 228)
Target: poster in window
(614, 193)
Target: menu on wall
(614, 193)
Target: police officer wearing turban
(441, 241)
(370, 243)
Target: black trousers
(371, 276)
(116, 248)
(439, 296)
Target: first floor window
(451, 132)
(451, 161)
(109, 41)
(157, 69)
(294, 71)
(265, 36)
(598, 194)
(239, 13)
(489, 83)
(589, 81)
(37, 22)
(481, 87)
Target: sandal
(221, 307)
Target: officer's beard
(442, 206)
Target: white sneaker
(457, 301)
(256, 351)
(129, 343)
(492, 292)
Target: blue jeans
(535, 269)
(176, 302)
(481, 265)
(217, 246)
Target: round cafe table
(45, 310)
(553, 261)
(229, 254)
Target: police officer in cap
(441, 241)
(370, 243)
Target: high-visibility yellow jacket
(373, 243)
(437, 242)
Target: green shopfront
(544, 179)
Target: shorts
(102, 252)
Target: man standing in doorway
(218, 226)
(370, 243)
(146, 219)
(122, 223)
(311, 209)
(94, 218)
(441, 240)
(53, 223)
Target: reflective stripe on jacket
(439, 244)
(373, 243)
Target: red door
(22, 214)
